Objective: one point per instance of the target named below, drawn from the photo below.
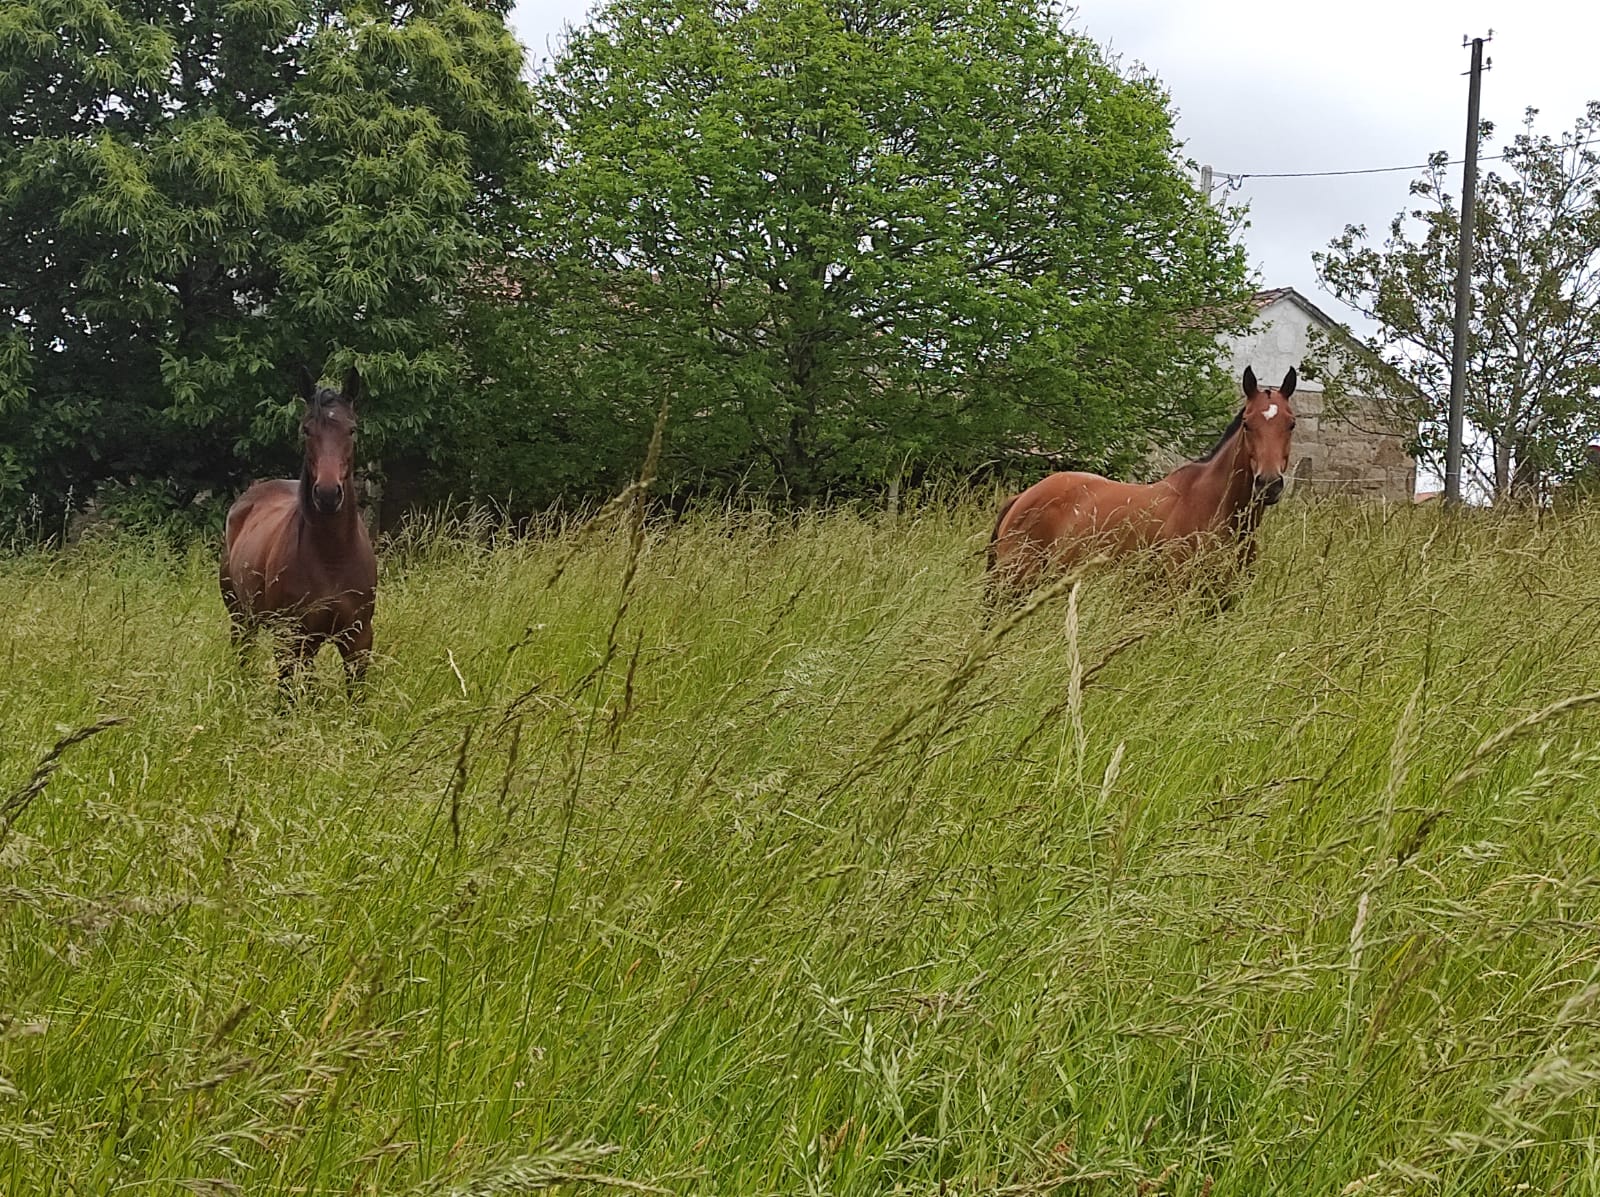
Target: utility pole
(1205, 182)
(1458, 352)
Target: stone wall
(1354, 453)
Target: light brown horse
(1216, 501)
(297, 556)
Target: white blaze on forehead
(1272, 410)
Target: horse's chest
(324, 596)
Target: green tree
(853, 236)
(193, 197)
(1533, 347)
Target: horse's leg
(1013, 577)
(1170, 576)
(295, 649)
(1000, 593)
(355, 646)
(239, 623)
(1007, 585)
(239, 630)
(1219, 577)
(1233, 573)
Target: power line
(1234, 178)
(1330, 174)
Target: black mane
(1227, 433)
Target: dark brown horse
(297, 555)
(1067, 518)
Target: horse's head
(329, 430)
(1268, 423)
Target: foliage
(193, 198)
(847, 240)
(1584, 484)
(772, 873)
(541, 433)
(1533, 349)
(850, 239)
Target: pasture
(741, 858)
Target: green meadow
(738, 855)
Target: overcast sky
(1276, 85)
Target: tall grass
(742, 857)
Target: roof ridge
(1265, 299)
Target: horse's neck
(1220, 488)
(333, 532)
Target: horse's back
(1073, 496)
(1066, 514)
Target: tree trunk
(1502, 469)
(799, 460)
(1526, 476)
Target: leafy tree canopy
(852, 236)
(192, 197)
(1533, 347)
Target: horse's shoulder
(275, 488)
(261, 500)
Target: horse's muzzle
(1269, 492)
(328, 499)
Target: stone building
(1353, 452)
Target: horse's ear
(1250, 387)
(352, 385)
(306, 383)
(1289, 380)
